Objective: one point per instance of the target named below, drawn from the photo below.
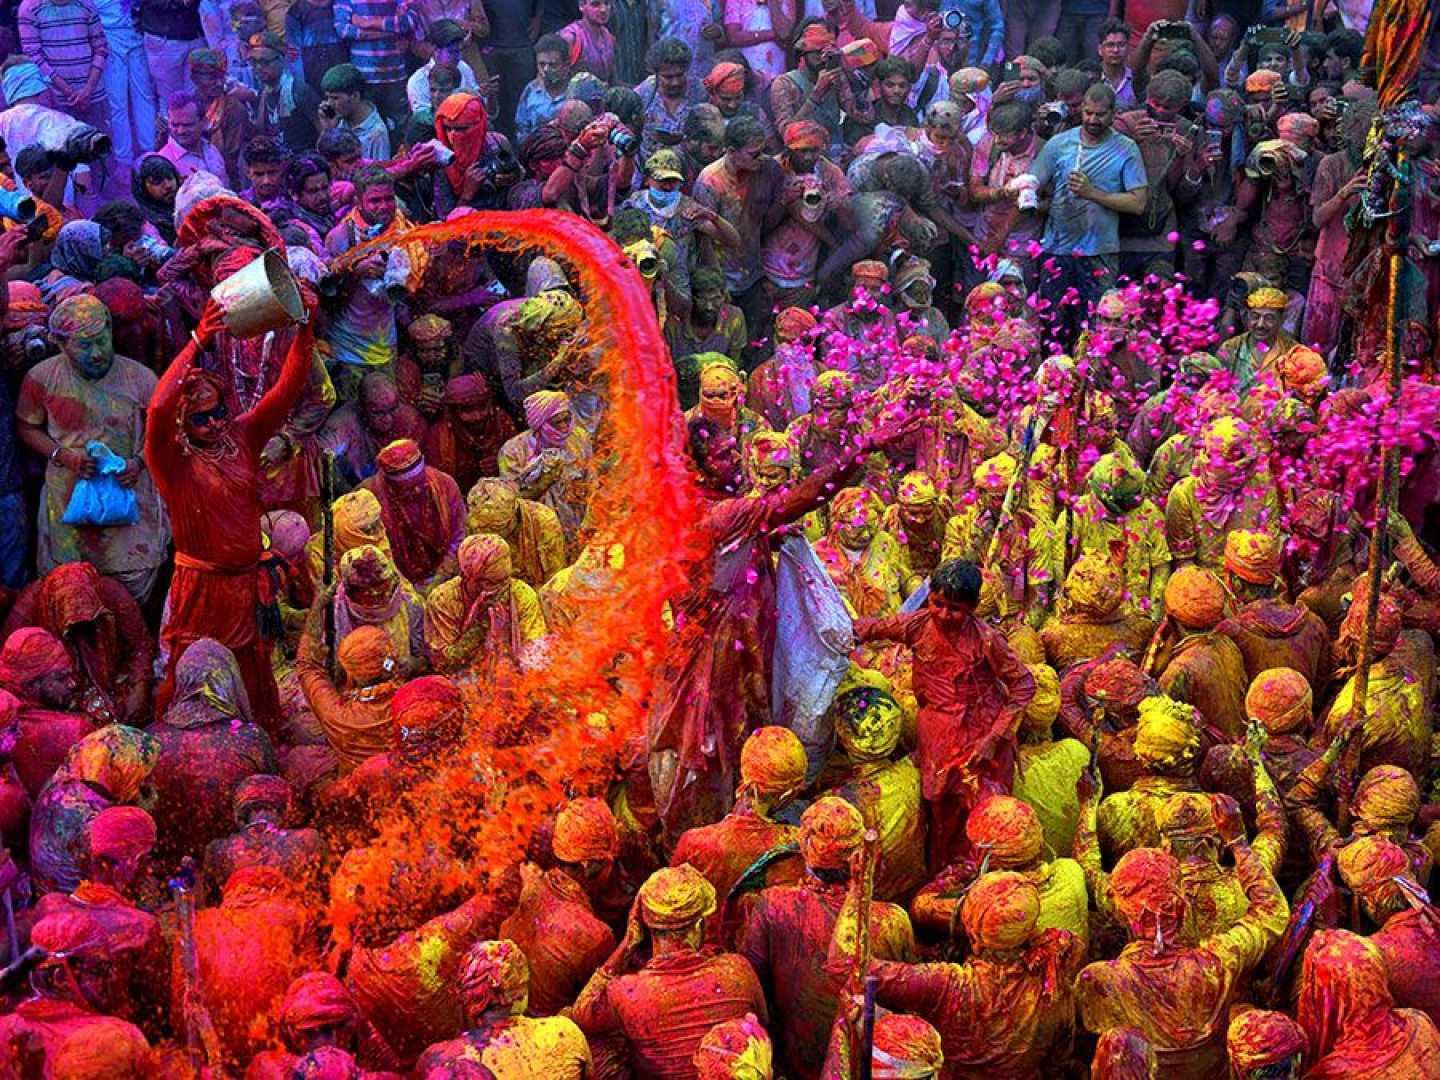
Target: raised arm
(162, 417)
(271, 411)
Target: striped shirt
(64, 38)
(379, 54)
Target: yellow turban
(995, 474)
(357, 522)
(549, 316)
(1387, 797)
(1045, 705)
(829, 831)
(1094, 585)
(772, 761)
(917, 489)
(1166, 734)
(1000, 911)
(675, 898)
(1008, 828)
(867, 723)
(833, 388)
(1281, 699)
(1253, 556)
(1267, 298)
(735, 1050)
(491, 505)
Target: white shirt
(417, 87)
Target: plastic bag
(812, 647)
(101, 500)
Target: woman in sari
(485, 616)
(74, 260)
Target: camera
(1172, 30)
(86, 144)
(812, 198)
(955, 20)
(625, 141)
(326, 110)
(35, 347)
(35, 229)
(1050, 118)
(16, 206)
(830, 59)
(1267, 162)
(1260, 36)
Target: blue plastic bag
(101, 500)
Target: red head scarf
(455, 111)
(1346, 1007)
(122, 832)
(428, 714)
(317, 1000)
(30, 653)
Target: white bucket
(259, 297)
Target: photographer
(30, 120)
(817, 88)
(597, 170)
(1168, 148)
(477, 166)
(1162, 39)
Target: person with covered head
(1347, 1011)
(39, 685)
(1270, 632)
(1267, 1044)
(868, 723)
(1047, 768)
(318, 1013)
(1380, 874)
(721, 392)
(736, 1050)
(465, 438)
(358, 520)
(263, 809)
(101, 627)
(524, 344)
(87, 394)
(1161, 415)
(861, 558)
(554, 922)
(786, 937)
(1009, 1008)
(422, 512)
(1092, 617)
(917, 520)
(1385, 804)
(421, 374)
(1258, 350)
(356, 718)
(1223, 493)
(1114, 514)
(484, 617)
(903, 1047)
(532, 529)
(1177, 995)
(972, 691)
(1192, 659)
(358, 430)
(772, 772)
(660, 1012)
(494, 989)
(550, 463)
(207, 466)
(370, 591)
(209, 743)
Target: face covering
(1031, 95)
(663, 200)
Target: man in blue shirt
(1095, 174)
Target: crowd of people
(1050, 689)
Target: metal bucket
(259, 297)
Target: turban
(996, 473)
(494, 975)
(1186, 814)
(853, 503)
(367, 655)
(1195, 597)
(1000, 911)
(206, 60)
(867, 723)
(817, 37)
(870, 270)
(1387, 622)
(904, 1047)
(1121, 682)
(30, 653)
(117, 758)
(717, 372)
(358, 522)
(1147, 879)
(543, 406)
(735, 1050)
(675, 898)
(1199, 363)
(70, 930)
(726, 78)
(260, 790)
(987, 299)
(428, 329)
(1303, 367)
(288, 532)
(553, 312)
(967, 81)
(1281, 699)
(1166, 734)
(400, 457)
(428, 714)
(1253, 555)
(23, 300)
(833, 388)
(123, 298)
(1369, 866)
(491, 505)
(1123, 1053)
(81, 315)
(1008, 828)
(1297, 125)
(1117, 483)
(1260, 1037)
(317, 1000)
(806, 135)
(772, 761)
(1094, 585)
(793, 323)
(122, 832)
(917, 489)
(22, 81)
(484, 560)
(1262, 81)
(85, 1054)
(1267, 298)
(829, 831)
(467, 390)
(1387, 797)
(584, 830)
(1040, 713)
(367, 567)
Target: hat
(675, 898)
(428, 714)
(664, 164)
(585, 830)
(829, 831)
(342, 79)
(1167, 735)
(266, 41)
(968, 81)
(428, 329)
(1297, 125)
(1267, 298)
(1253, 555)
(494, 974)
(1045, 705)
(79, 316)
(22, 80)
(905, 1046)
(1000, 911)
(793, 322)
(1281, 699)
(870, 270)
(400, 457)
(1008, 828)
(816, 37)
(806, 135)
(1195, 597)
(1387, 797)
(772, 761)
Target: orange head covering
(317, 999)
(28, 654)
(25, 305)
(121, 832)
(1094, 587)
(1167, 735)
(428, 714)
(817, 37)
(675, 898)
(455, 112)
(1261, 1037)
(117, 758)
(1121, 682)
(585, 829)
(1000, 911)
(772, 761)
(1387, 797)
(806, 135)
(870, 270)
(905, 1046)
(1345, 990)
(70, 594)
(726, 77)
(1195, 597)
(1303, 369)
(495, 975)
(1281, 699)
(830, 830)
(1123, 1054)
(1262, 81)
(1008, 829)
(1253, 556)
(1369, 866)
(367, 655)
(1295, 125)
(1147, 881)
(793, 323)
(735, 1050)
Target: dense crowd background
(1029, 371)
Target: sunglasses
(210, 416)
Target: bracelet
(55, 453)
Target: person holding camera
(597, 171)
(1168, 148)
(817, 88)
(477, 165)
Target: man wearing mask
(544, 93)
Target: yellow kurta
(1192, 536)
(445, 629)
(1136, 542)
(1045, 776)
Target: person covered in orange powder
(1193, 661)
(1259, 1039)
(494, 988)
(972, 691)
(38, 676)
(356, 718)
(465, 440)
(1270, 632)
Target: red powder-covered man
(663, 1011)
(318, 1012)
(1193, 661)
(207, 467)
(263, 806)
(422, 511)
(972, 691)
(772, 770)
(37, 671)
(465, 441)
(787, 936)
(1270, 632)
(555, 922)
